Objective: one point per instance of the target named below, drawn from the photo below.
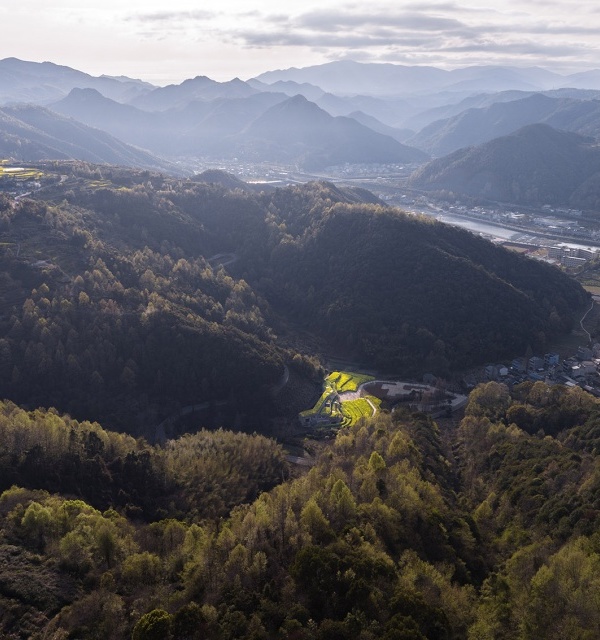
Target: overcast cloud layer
(168, 42)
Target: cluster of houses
(375, 171)
(571, 256)
(581, 369)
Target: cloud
(182, 26)
(444, 33)
(436, 31)
(162, 17)
(517, 48)
(326, 21)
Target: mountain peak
(535, 165)
(85, 92)
(301, 108)
(197, 80)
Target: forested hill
(408, 294)
(127, 295)
(535, 165)
(400, 531)
(113, 310)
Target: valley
(537, 227)
(130, 246)
(253, 385)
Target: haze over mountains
(537, 164)
(35, 133)
(40, 83)
(342, 113)
(351, 78)
(170, 308)
(260, 126)
(477, 125)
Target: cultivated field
(344, 381)
(332, 410)
(18, 173)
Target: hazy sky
(169, 41)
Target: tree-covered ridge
(409, 295)
(119, 321)
(350, 267)
(127, 296)
(535, 165)
(199, 475)
(400, 530)
(529, 469)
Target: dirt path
(584, 317)
(372, 406)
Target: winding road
(582, 319)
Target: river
(502, 233)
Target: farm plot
(347, 381)
(332, 410)
(19, 173)
(354, 410)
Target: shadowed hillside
(127, 295)
(536, 165)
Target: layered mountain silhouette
(350, 78)
(30, 133)
(199, 88)
(312, 118)
(477, 125)
(41, 83)
(401, 135)
(535, 165)
(262, 126)
(298, 128)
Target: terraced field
(353, 410)
(346, 381)
(332, 410)
(18, 173)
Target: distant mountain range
(478, 125)
(41, 83)
(30, 133)
(483, 100)
(312, 118)
(195, 128)
(177, 96)
(23, 81)
(352, 78)
(535, 165)
(260, 126)
(204, 118)
(299, 129)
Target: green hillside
(400, 530)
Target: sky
(167, 42)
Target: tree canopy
(401, 529)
